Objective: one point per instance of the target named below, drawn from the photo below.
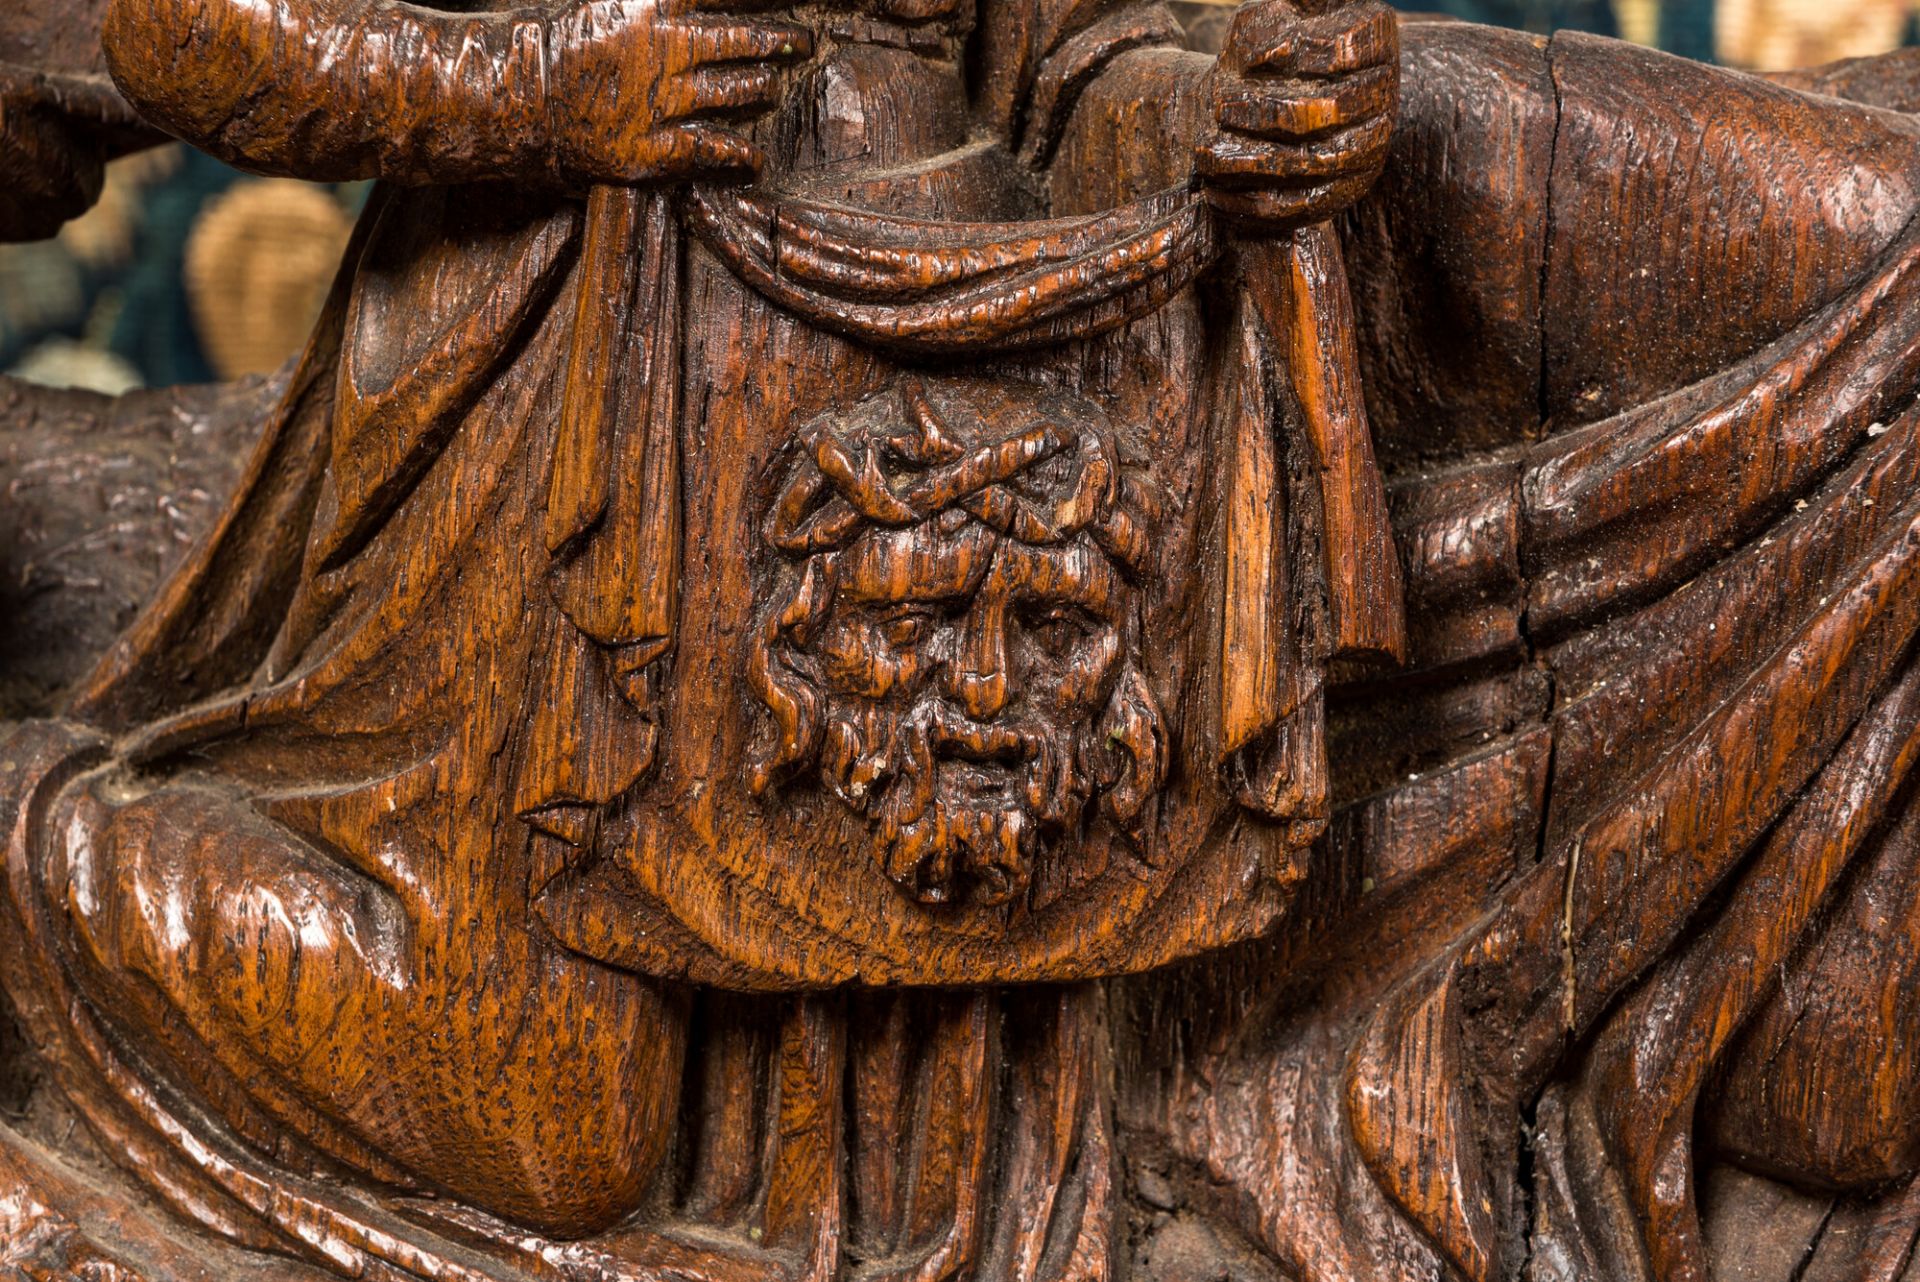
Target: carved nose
(980, 695)
(977, 678)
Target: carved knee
(235, 952)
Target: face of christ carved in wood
(953, 652)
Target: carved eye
(906, 626)
(1059, 629)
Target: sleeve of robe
(335, 90)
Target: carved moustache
(981, 827)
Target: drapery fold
(925, 287)
(1747, 679)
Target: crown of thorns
(911, 470)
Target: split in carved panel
(1021, 641)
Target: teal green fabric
(126, 300)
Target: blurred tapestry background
(189, 271)
(1763, 35)
(186, 271)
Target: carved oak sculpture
(814, 674)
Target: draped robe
(449, 553)
(1612, 794)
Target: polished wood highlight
(931, 641)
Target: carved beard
(957, 803)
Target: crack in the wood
(1567, 997)
(1813, 1243)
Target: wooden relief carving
(955, 652)
(975, 641)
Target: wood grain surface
(1044, 641)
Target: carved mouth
(977, 763)
(979, 780)
(983, 743)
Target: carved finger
(1302, 109)
(727, 92)
(1352, 38)
(1289, 206)
(1259, 32)
(712, 41)
(711, 150)
(1329, 46)
(1234, 160)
